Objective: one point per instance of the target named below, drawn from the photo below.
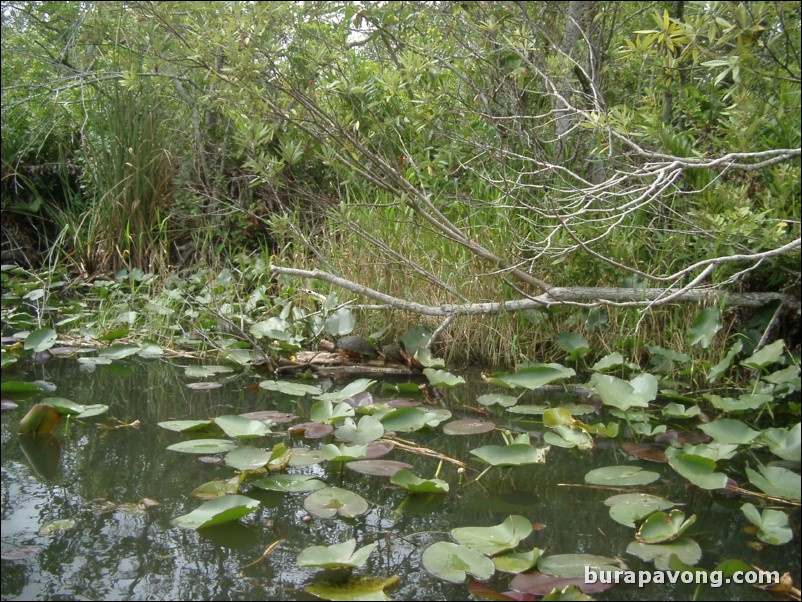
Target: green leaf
(442, 378)
(698, 470)
(247, 458)
(64, 406)
(237, 426)
(704, 327)
(517, 562)
(215, 489)
(575, 345)
(118, 352)
(204, 371)
(40, 340)
(203, 446)
(684, 548)
(340, 555)
(357, 386)
(627, 508)
(772, 525)
(340, 323)
(776, 480)
(532, 377)
(722, 366)
(505, 401)
(355, 589)
(331, 501)
(729, 431)
(661, 527)
(766, 356)
(453, 562)
(324, 413)
(497, 539)
(369, 429)
(624, 395)
(620, 476)
(572, 566)
(407, 480)
(343, 453)
(567, 436)
(185, 425)
(785, 443)
(218, 511)
(517, 454)
(289, 483)
(289, 388)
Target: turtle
(356, 347)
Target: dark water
(113, 553)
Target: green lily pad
(324, 412)
(624, 395)
(289, 388)
(722, 366)
(677, 410)
(356, 588)
(772, 525)
(729, 431)
(339, 555)
(468, 426)
(239, 427)
(746, 402)
(39, 419)
(497, 539)
(442, 378)
(368, 429)
(627, 508)
(215, 489)
(785, 443)
(612, 361)
(40, 340)
(517, 454)
(118, 352)
(704, 327)
(64, 524)
(505, 401)
(776, 480)
(203, 371)
(95, 409)
(185, 425)
(661, 527)
(203, 446)
(407, 480)
(766, 356)
(414, 339)
(377, 468)
(621, 476)
(217, 511)
(453, 562)
(684, 548)
(289, 483)
(404, 420)
(247, 458)
(575, 345)
(427, 360)
(698, 470)
(555, 416)
(340, 322)
(331, 501)
(573, 565)
(517, 562)
(64, 406)
(714, 451)
(566, 436)
(343, 453)
(532, 377)
(357, 386)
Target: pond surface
(116, 551)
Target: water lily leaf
(745, 402)
(722, 366)
(272, 328)
(39, 419)
(378, 468)
(677, 410)
(331, 501)
(505, 401)
(609, 430)
(612, 361)
(442, 378)
(624, 395)
(620, 476)
(573, 565)
(785, 443)
(554, 416)
(714, 451)
(684, 548)
(404, 420)
(517, 562)
(453, 562)
(532, 377)
(368, 429)
(729, 431)
(149, 350)
(239, 427)
(427, 360)
(324, 412)
(645, 451)
(270, 416)
(377, 449)
(95, 409)
(698, 470)
(185, 425)
(776, 480)
(704, 327)
(406, 479)
(541, 584)
(533, 409)
(203, 446)
(661, 527)
(787, 376)
(217, 511)
(766, 356)
(772, 525)
(311, 430)
(40, 340)
(340, 322)
(575, 345)
(289, 388)
(435, 416)
(90, 362)
(118, 352)
(497, 539)
(566, 436)
(243, 357)
(355, 588)
(339, 555)
(64, 406)
(664, 359)
(343, 453)
(203, 371)
(115, 334)
(516, 454)
(627, 508)
(289, 483)
(414, 339)
(64, 524)
(357, 386)
(468, 426)
(304, 456)
(215, 489)
(247, 458)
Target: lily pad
(215, 489)
(704, 327)
(575, 345)
(324, 412)
(517, 454)
(698, 470)
(497, 539)
(118, 352)
(237, 426)
(342, 453)
(356, 588)
(684, 548)
(661, 527)
(377, 468)
(204, 386)
(453, 562)
(340, 555)
(624, 395)
(40, 340)
(64, 406)
(532, 377)
(541, 584)
(563, 435)
(368, 429)
(573, 565)
(290, 388)
(203, 371)
(722, 366)
(407, 480)
(776, 480)
(627, 508)
(203, 446)
(217, 511)
(357, 386)
(772, 525)
(468, 426)
(785, 443)
(247, 458)
(331, 501)
(442, 378)
(621, 476)
(517, 562)
(289, 483)
(185, 425)
(404, 420)
(766, 356)
(505, 401)
(729, 431)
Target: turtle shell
(357, 347)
